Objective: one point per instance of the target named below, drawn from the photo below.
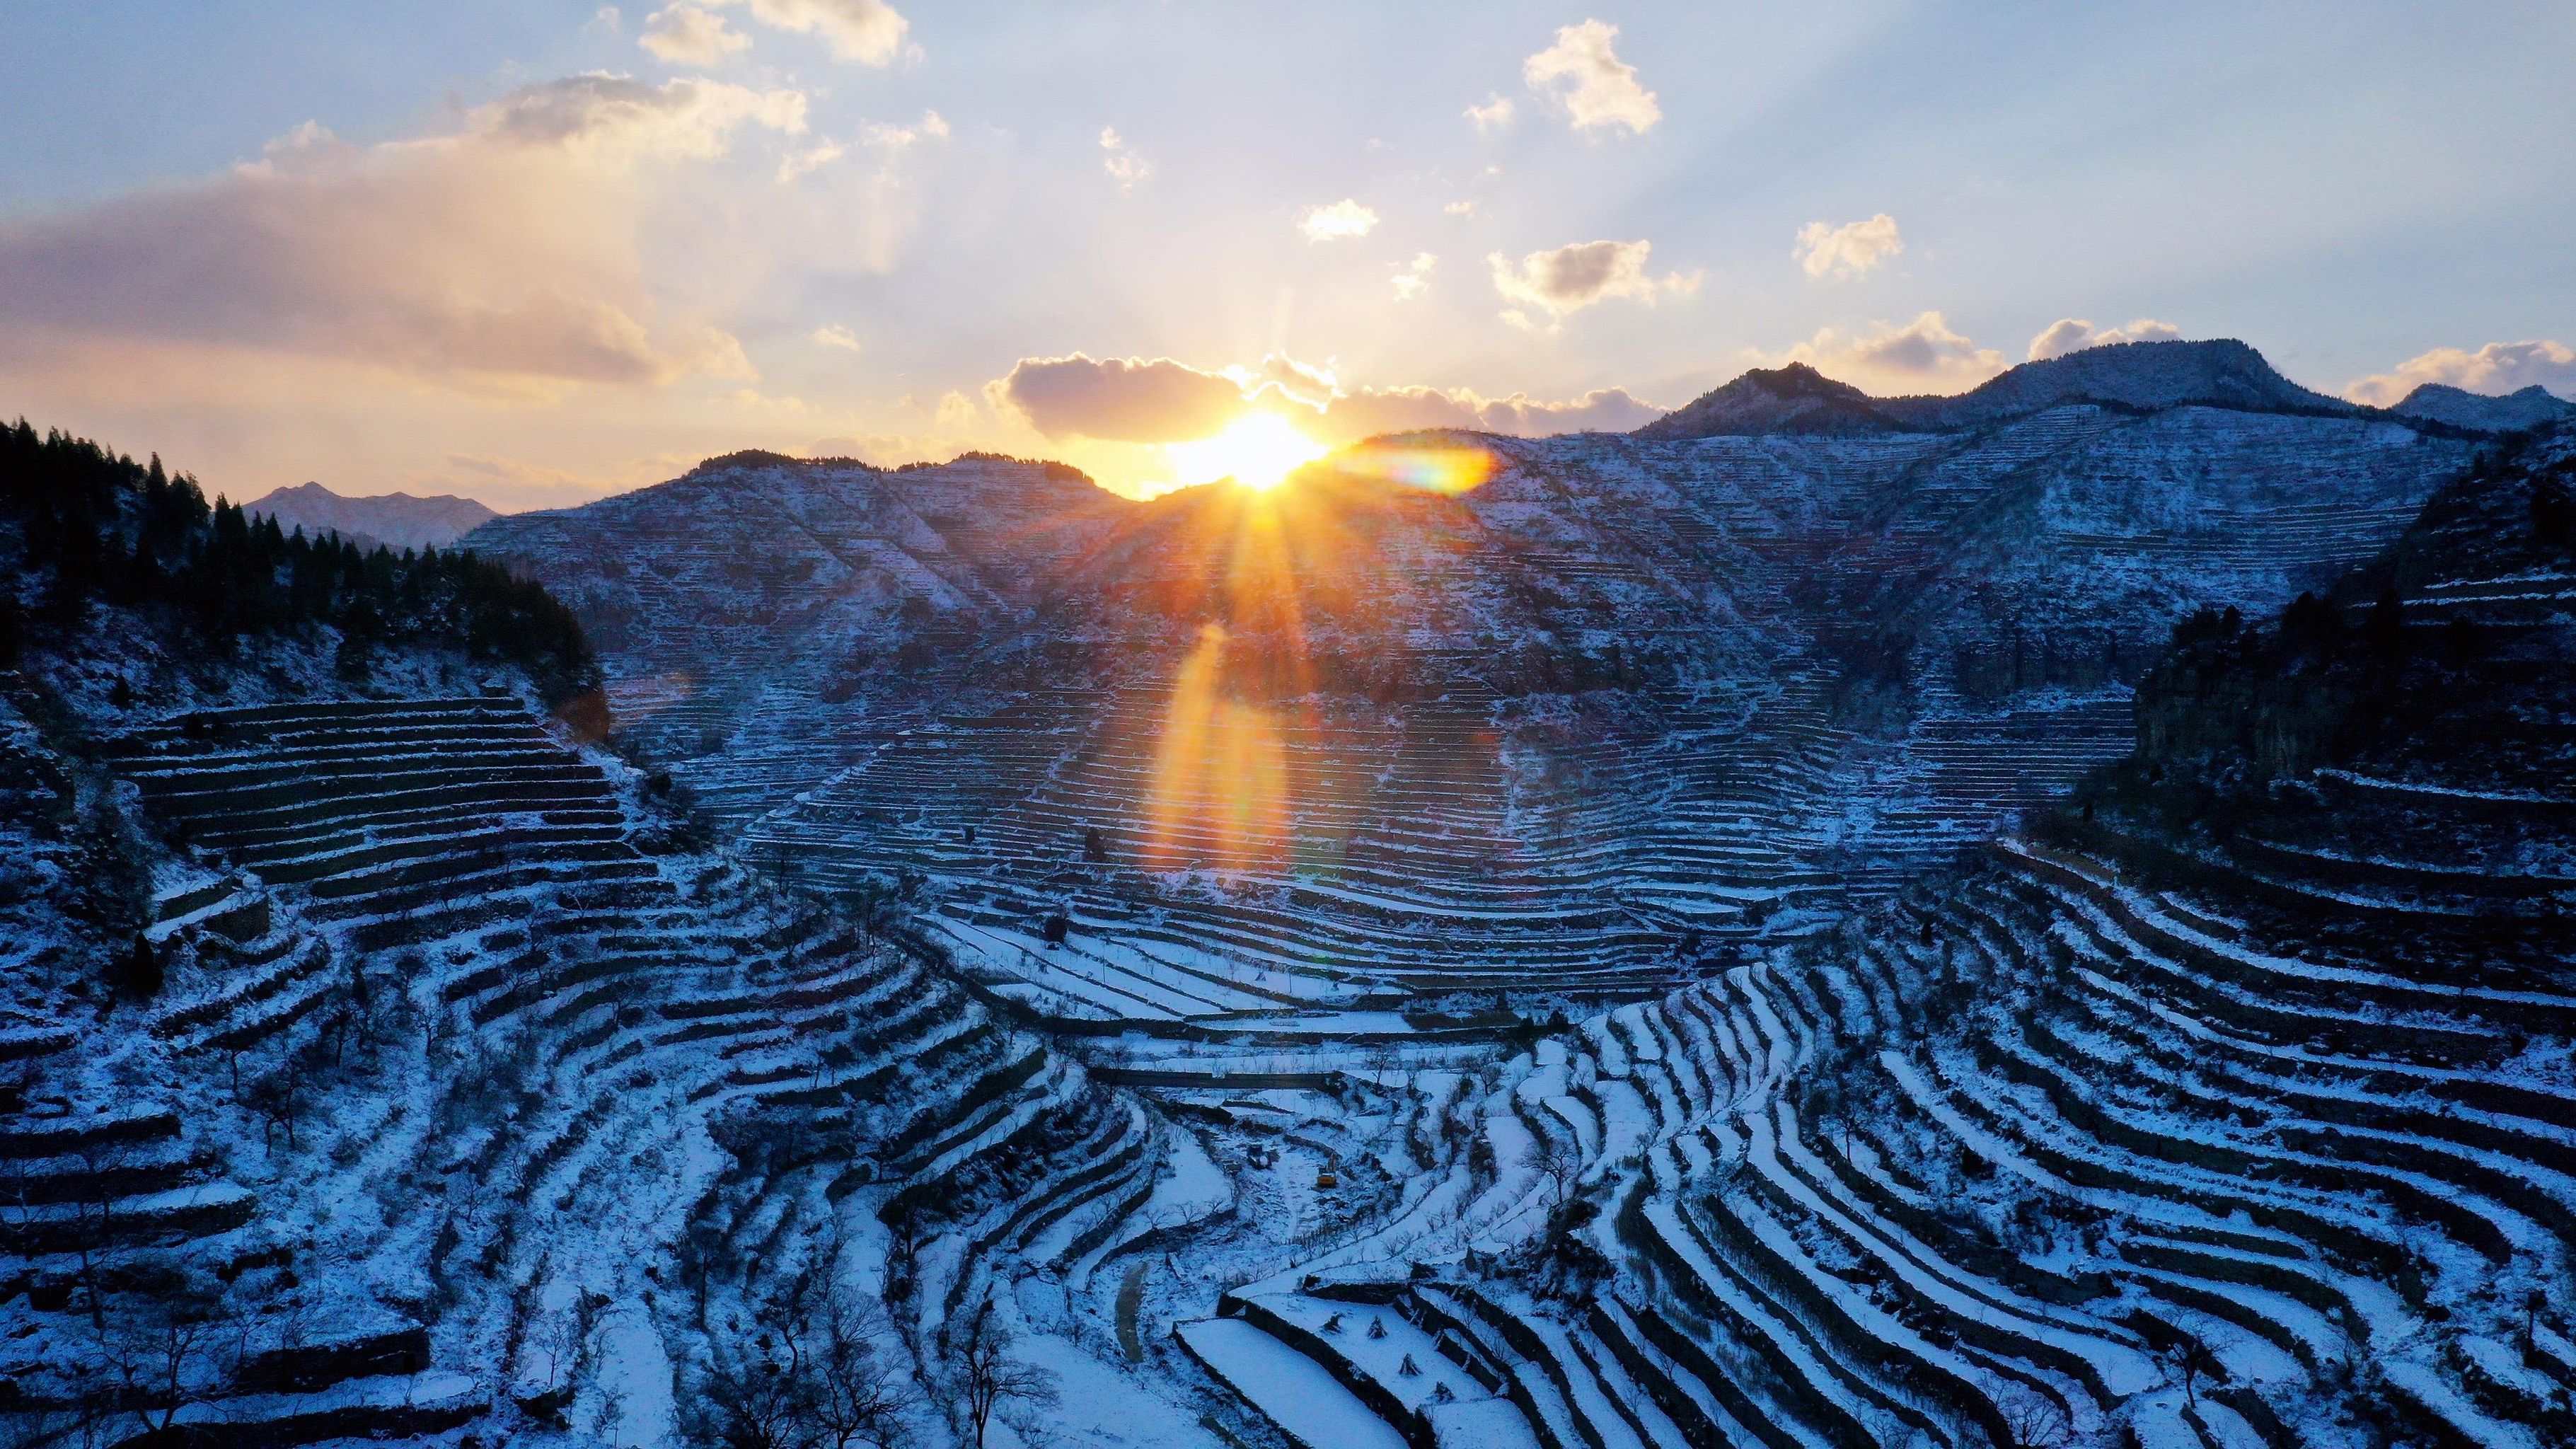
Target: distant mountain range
(2137, 377)
(395, 520)
(2529, 408)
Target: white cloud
(1493, 115)
(1305, 383)
(869, 32)
(2495, 369)
(956, 413)
(836, 335)
(1849, 250)
(811, 159)
(615, 117)
(1413, 278)
(501, 258)
(1924, 355)
(1333, 222)
(1124, 166)
(2074, 334)
(686, 35)
(1565, 281)
(1596, 88)
(606, 20)
(1461, 208)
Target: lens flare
(1445, 468)
(1219, 795)
(1257, 450)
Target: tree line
(90, 527)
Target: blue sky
(536, 252)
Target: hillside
(1621, 704)
(378, 1061)
(2136, 377)
(2529, 408)
(382, 1060)
(2226, 1106)
(388, 520)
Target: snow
(1290, 1389)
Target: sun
(1257, 450)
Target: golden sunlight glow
(1445, 468)
(1257, 450)
(1220, 793)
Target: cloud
(617, 117)
(869, 32)
(1124, 166)
(2074, 334)
(1414, 277)
(2495, 369)
(890, 142)
(835, 335)
(1367, 412)
(1304, 383)
(1849, 250)
(812, 159)
(687, 35)
(956, 413)
(1573, 277)
(512, 485)
(1596, 88)
(1127, 400)
(1461, 208)
(501, 256)
(1924, 355)
(605, 20)
(1343, 218)
(1163, 401)
(1493, 115)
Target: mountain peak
(2137, 376)
(1791, 399)
(2484, 412)
(395, 520)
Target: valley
(2031, 920)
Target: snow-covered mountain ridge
(454, 1090)
(1627, 700)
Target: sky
(535, 253)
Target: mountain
(1794, 399)
(394, 520)
(1469, 1015)
(2480, 412)
(1447, 713)
(2133, 376)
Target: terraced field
(2126, 1133)
(448, 1073)
(1653, 702)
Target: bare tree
(984, 1377)
(161, 1351)
(2034, 1420)
(2189, 1359)
(1561, 1163)
(856, 1399)
(808, 1376)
